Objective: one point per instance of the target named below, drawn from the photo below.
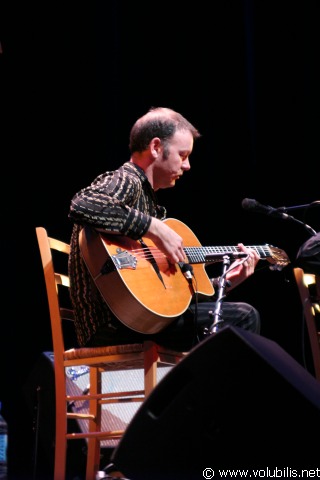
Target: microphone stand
(283, 210)
(217, 320)
(309, 229)
(297, 207)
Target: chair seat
(85, 352)
(102, 356)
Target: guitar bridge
(124, 259)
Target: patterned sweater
(118, 202)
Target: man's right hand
(167, 240)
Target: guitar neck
(201, 254)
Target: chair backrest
(309, 290)
(54, 281)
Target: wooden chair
(309, 290)
(146, 356)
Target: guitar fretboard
(199, 254)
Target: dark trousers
(189, 329)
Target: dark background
(74, 78)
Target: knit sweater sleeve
(115, 203)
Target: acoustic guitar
(142, 288)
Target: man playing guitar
(135, 274)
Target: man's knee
(252, 322)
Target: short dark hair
(158, 122)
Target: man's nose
(186, 164)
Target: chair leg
(93, 455)
(150, 366)
(60, 455)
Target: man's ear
(155, 146)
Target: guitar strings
(151, 252)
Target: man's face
(173, 159)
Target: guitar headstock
(278, 258)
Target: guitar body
(143, 290)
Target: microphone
(187, 270)
(255, 206)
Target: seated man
(124, 202)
